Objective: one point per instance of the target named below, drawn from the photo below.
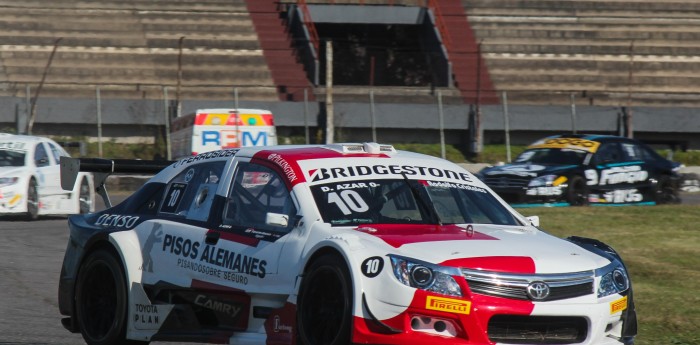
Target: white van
(214, 129)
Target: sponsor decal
(322, 174)
(616, 175)
(544, 191)
(448, 304)
(618, 305)
(568, 143)
(228, 308)
(117, 221)
(11, 145)
(205, 156)
(518, 170)
(146, 316)
(622, 196)
(278, 326)
(213, 261)
(286, 167)
(455, 185)
(156, 236)
(371, 267)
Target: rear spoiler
(102, 168)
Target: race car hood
(511, 249)
(525, 169)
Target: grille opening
(517, 329)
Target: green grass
(661, 247)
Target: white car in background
(30, 179)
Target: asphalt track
(31, 254)
(30, 262)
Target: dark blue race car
(579, 170)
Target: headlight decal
(613, 280)
(426, 276)
(8, 181)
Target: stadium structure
(401, 71)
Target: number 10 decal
(348, 200)
(371, 267)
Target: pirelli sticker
(448, 305)
(567, 143)
(618, 305)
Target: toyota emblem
(538, 291)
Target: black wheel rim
(84, 198)
(32, 201)
(99, 301)
(578, 194)
(324, 306)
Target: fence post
(506, 124)
(372, 116)
(168, 147)
(98, 98)
(442, 126)
(306, 115)
(573, 113)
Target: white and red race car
(335, 244)
(30, 179)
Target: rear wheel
(32, 201)
(577, 193)
(665, 192)
(84, 197)
(101, 300)
(324, 307)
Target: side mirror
(277, 219)
(534, 220)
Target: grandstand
(137, 55)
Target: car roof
(24, 138)
(290, 159)
(593, 137)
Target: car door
(48, 171)
(258, 214)
(616, 176)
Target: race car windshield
(395, 201)
(11, 158)
(552, 156)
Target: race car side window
(190, 193)
(41, 158)
(608, 152)
(256, 193)
(56, 152)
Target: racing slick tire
(32, 201)
(577, 192)
(101, 300)
(84, 199)
(665, 192)
(324, 307)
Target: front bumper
(12, 200)
(494, 320)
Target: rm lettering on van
(117, 221)
(229, 139)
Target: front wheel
(577, 192)
(665, 192)
(32, 201)
(324, 306)
(101, 300)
